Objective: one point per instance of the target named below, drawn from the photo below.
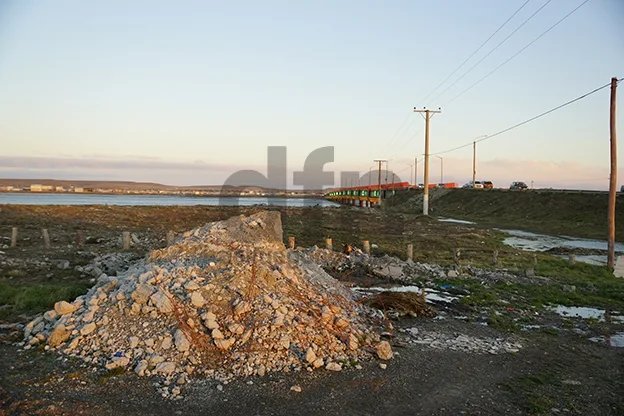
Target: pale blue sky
(214, 82)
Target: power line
(528, 120)
(392, 143)
(495, 48)
(400, 128)
(517, 53)
(476, 50)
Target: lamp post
(474, 159)
(441, 168)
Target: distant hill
(127, 185)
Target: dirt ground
(557, 370)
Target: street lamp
(441, 168)
(474, 159)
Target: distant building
(78, 189)
(47, 188)
(59, 189)
(36, 188)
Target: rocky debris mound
(226, 299)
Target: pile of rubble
(224, 300)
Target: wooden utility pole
(613, 178)
(380, 161)
(428, 115)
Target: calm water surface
(104, 199)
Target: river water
(162, 200)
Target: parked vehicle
(518, 185)
(477, 185)
(488, 185)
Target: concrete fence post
(366, 246)
(125, 238)
(79, 239)
(46, 238)
(572, 259)
(456, 255)
(291, 242)
(410, 251)
(170, 237)
(14, 237)
(328, 244)
(534, 260)
(495, 257)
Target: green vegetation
(560, 213)
(35, 298)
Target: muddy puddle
(587, 313)
(614, 340)
(432, 295)
(596, 249)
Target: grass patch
(115, 372)
(36, 298)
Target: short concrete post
(291, 242)
(410, 251)
(328, 244)
(534, 260)
(456, 255)
(495, 257)
(125, 238)
(13, 236)
(79, 239)
(46, 238)
(170, 237)
(366, 246)
(572, 259)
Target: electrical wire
(517, 53)
(490, 52)
(491, 136)
(476, 50)
(391, 143)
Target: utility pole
(416, 171)
(613, 178)
(474, 159)
(428, 115)
(380, 161)
(474, 164)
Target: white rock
(88, 328)
(166, 343)
(141, 367)
(162, 302)
(134, 341)
(310, 355)
(296, 389)
(333, 366)
(384, 350)
(50, 315)
(142, 293)
(197, 299)
(181, 342)
(166, 368)
(64, 308)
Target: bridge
(366, 196)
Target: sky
(191, 92)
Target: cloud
(109, 163)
